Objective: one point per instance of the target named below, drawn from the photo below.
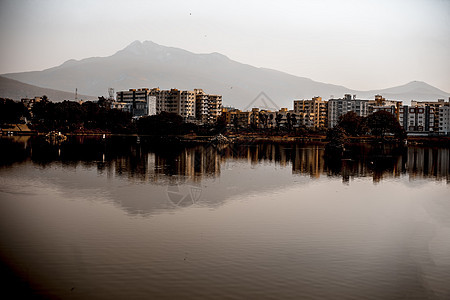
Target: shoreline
(441, 141)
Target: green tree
(352, 124)
(336, 138)
(382, 122)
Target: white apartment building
(151, 105)
(339, 107)
(191, 105)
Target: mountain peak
(69, 63)
(417, 83)
(135, 47)
(218, 55)
(139, 48)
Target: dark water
(115, 219)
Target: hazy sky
(359, 44)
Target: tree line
(71, 116)
(378, 124)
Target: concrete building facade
(311, 113)
(339, 107)
(417, 118)
(444, 120)
(135, 101)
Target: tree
(104, 103)
(11, 111)
(162, 124)
(288, 121)
(352, 124)
(271, 120)
(221, 123)
(278, 119)
(293, 121)
(336, 138)
(68, 116)
(253, 121)
(263, 119)
(382, 122)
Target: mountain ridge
(147, 64)
(16, 90)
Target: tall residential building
(208, 107)
(187, 105)
(444, 120)
(214, 107)
(201, 106)
(417, 118)
(191, 105)
(151, 105)
(339, 107)
(435, 105)
(135, 101)
(381, 103)
(311, 113)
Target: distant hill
(414, 90)
(17, 90)
(146, 64)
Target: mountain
(147, 64)
(416, 90)
(17, 90)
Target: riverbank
(242, 138)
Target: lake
(122, 218)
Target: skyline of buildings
(193, 106)
(421, 117)
(196, 106)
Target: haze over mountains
(17, 90)
(146, 64)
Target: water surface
(114, 219)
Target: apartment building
(311, 113)
(136, 101)
(435, 105)
(417, 118)
(193, 105)
(201, 105)
(187, 105)
(207, 107)
(381, 104)
(339, 107)
(214, 107)
(444, 120)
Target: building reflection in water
(124, 157)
